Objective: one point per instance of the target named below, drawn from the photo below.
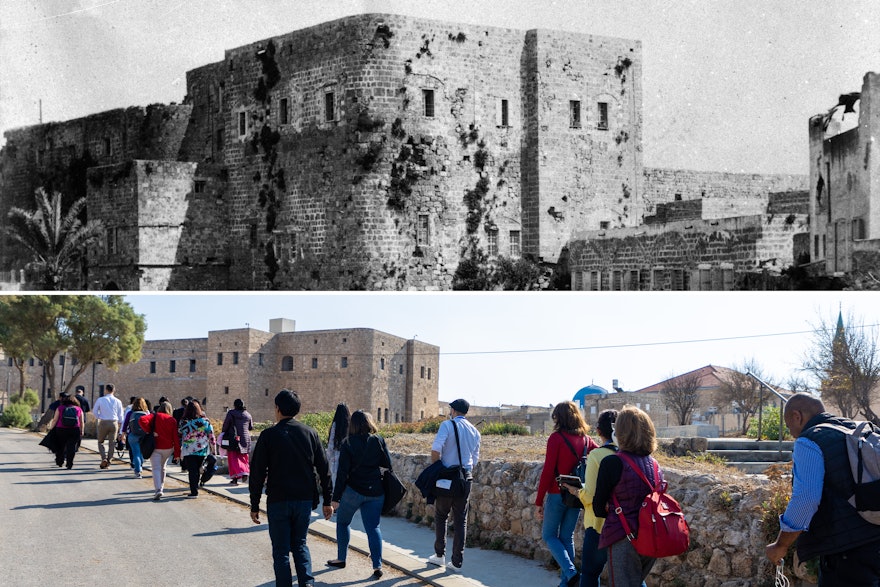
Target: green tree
(104, 329)
(56, 239)
(12, 341)
(39, 324)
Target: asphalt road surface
(88, 526)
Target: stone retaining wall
(727, 541)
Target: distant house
(713, 408)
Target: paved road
(89, 526)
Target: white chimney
(279, 325)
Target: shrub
(320, 421)
(30, 399)
(17, 415)
(505, 429)
(429, 426)
(769, 426)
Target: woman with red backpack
(618, 482)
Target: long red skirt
(239, 465)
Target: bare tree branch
(681, 397)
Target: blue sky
(728, 84)
(610, 336)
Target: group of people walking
(627, 436)
(348, 473)
(186, 437)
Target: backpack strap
(573, 451)
(619, 510)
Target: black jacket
(360, 459)
(291, 456)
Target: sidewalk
(406, 545)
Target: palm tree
(56, 240)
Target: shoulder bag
(579, 470)
(452, 481)
(148, 441)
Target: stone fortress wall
(375, 151)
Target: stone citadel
(395, 379)
(378, 152)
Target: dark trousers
(458, 506)
(65, 448)
(193, 465)
(859, 567)
(288, 528)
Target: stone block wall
(589, 163)
(727, 540)
(724, 195)
(676, 211)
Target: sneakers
(105, 463)
(138, 476)
(437, 559)
(452, 568)
(192, 495)
(158, 497)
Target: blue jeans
(558, 533)
(288, 528)
(137, 458)
(371, 510)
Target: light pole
(94, 363)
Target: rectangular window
(386, 415)
(226, 390)
(429, 373)
(282, 111)
(260, 359)
(616, 280)
(705, 279)
(192, 365)
(199, 186)
(152, 366)
(503, 113)
(61, 359)
(221, 139)
(172, 366)
(422, 232)
(428, 97)
(344, 362)
(219, 358)
(329, 107)
(578, 281)
(399, 370)
(31, 362)
(382, 364)
(595, 281)
(727, 279)
(633, 280)
(314, 362)
(378, 414)
(604, 225)
(220, 97)
(515, 244)
(603, 116)
(112, 243)
(235, 357)
(492, 243)
(107, 148)
(422, 372)
(816, 247)
(574, 113)
(242, 124)
(858, 229)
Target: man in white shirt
(108, 411)
(449, 449)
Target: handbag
(148, 441)
(568, 499)
(229, 441)
(393, 489)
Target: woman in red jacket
(565, 447)
(167, 443)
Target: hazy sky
(574, 339)
(728, 84)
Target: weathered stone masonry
(375, 151)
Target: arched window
(287, 363)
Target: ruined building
(376, 152)
(844, 174)
(393, 378)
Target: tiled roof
(710, 376)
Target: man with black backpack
(819, 516)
